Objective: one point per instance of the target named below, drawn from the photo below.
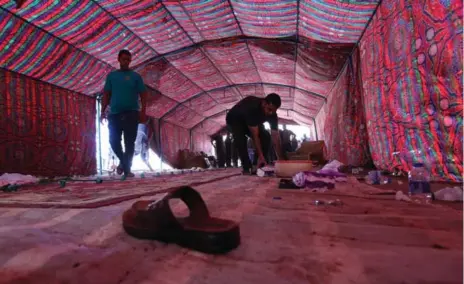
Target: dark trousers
(240, 133)
(220, 151)
(228, 153)
(123, 123)
(234, 155)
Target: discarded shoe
(199, 231)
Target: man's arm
(105, 101)
(254, 130)
(106, 95)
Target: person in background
(228, 146)
(122, 92)
(286, 139)
(246, 118)
(305, 138)
(294, 143)
(142, 145)
(218, 145)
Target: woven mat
(91, 195)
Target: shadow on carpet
(93, 195)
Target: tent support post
(160, 147)
(315, 129)
(100, 165)
(191, 142)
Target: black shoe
(129, 175)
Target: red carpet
(92, 195)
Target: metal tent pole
(99, 99)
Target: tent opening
(107, 160)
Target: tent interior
(379, 81)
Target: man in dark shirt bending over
(246, 118)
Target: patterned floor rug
(89, 194)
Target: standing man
(123, 89)
(286, 139)
(142, 146)
(228, 146)
(218, 144)
(246, 118)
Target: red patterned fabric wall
(341, 121)
(201, 142)
(412, 79)
(154, 135)
(45, 130)
(173, 139)
(320, 122)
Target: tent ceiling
(197, 57)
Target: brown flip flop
(199, 231)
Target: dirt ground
(286, 238)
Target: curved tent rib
(125, 22)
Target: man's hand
(142, 117)
(261, 161)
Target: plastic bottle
(419, 182)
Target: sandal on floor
(199, 231)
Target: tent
(378, 81)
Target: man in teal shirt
(123, 89)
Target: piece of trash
(400, 182)
(336, 202)
(277, 197)
(376, 177)
(402, 197)
(449, 194)
(332, 166)
(438, 246)
(265, 172)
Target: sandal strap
(161, 209)
(193, 200)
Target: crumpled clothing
(18, 179)
(449, 194)
(332, 166)
(312, 180)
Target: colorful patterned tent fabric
(199, 57)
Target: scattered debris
(448, 194)
(265, 172)
(336, 202)
(402, 197)
(438, 246)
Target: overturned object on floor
(199, 231)
(311, 150)
(291, 168)
(265, 172)
(318, 181)
(187, 160)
